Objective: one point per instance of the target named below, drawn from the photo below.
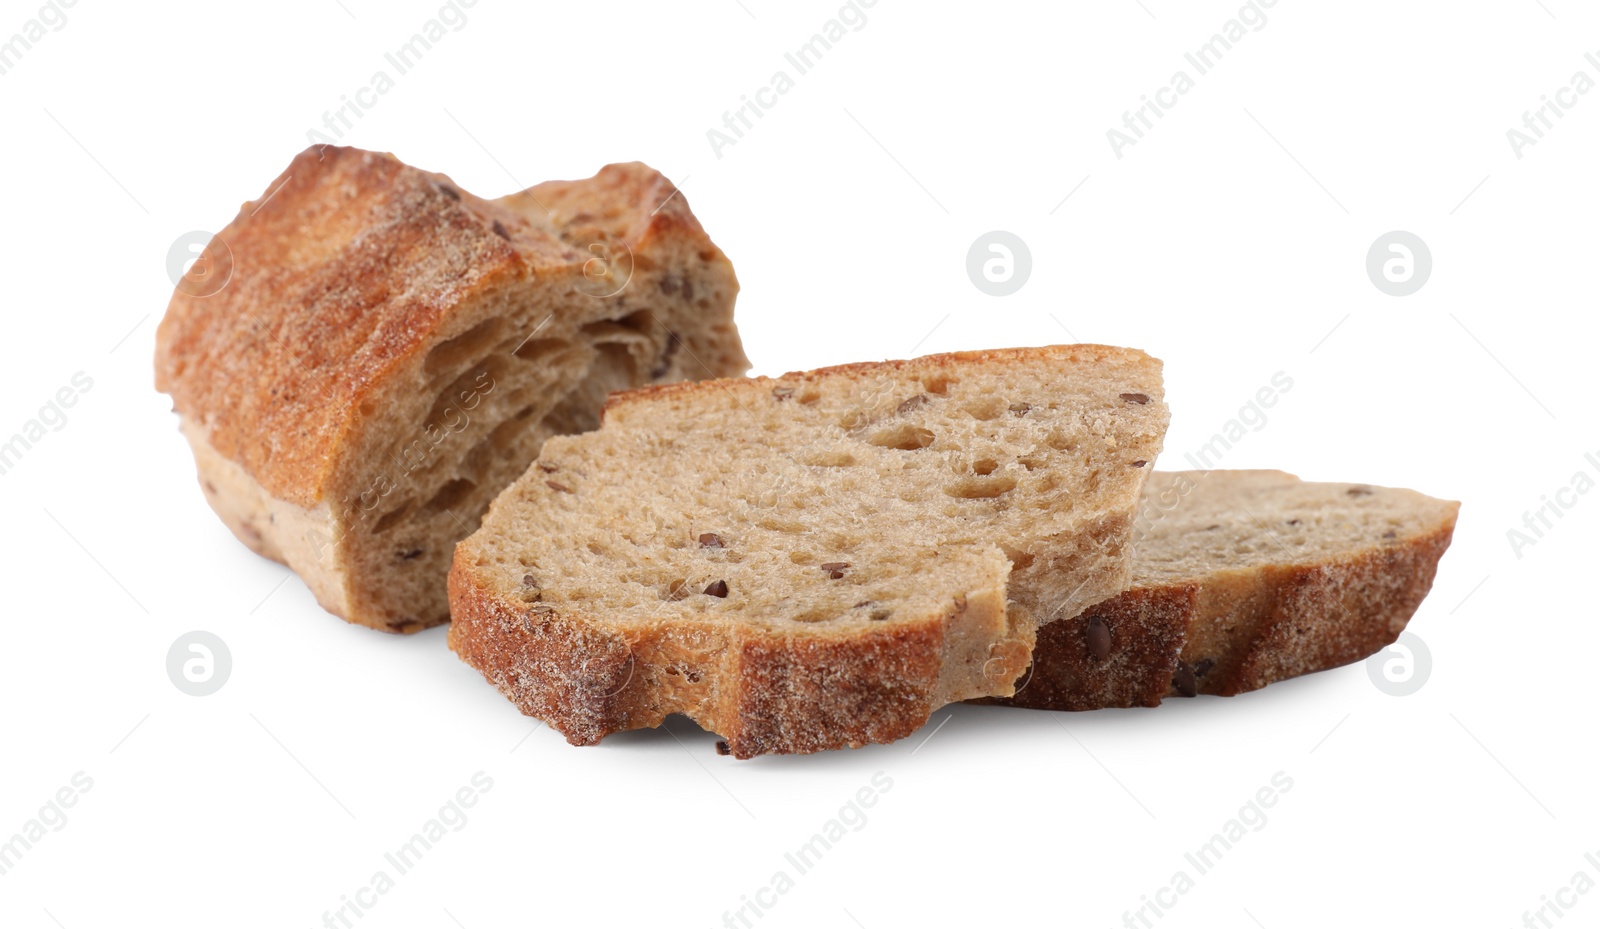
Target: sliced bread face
(1240, 579)
(391, 351)
(813, 561)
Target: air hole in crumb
(388, 520)
(981, 488)
(985, 408)
(452, 493)
(505, 434)
(605, 330)
(539, 349)
(905, 437)
(810, 395)
(638, 321)
(938, 384)
(985, 466)
(829, 459)
(1019, 559)
(464, 392)
(450, 354)
(1032, 464)
(1060, 441)
(476, 461)
(814, 616)
(615, 356)
(802, 558)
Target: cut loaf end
(389, 351)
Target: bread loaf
(387, 351)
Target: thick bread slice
(814, 561)
(387, 352)
(1240, 579)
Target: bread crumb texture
(813, 561)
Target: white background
(1230, 242)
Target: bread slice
(814, 561)
(390, 351)
(1240, 579)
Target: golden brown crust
(1325, 616)
(1142, 633)
(791, 693)
(275, 365)
(552, 667)
(808, 695)
(1302, 618)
